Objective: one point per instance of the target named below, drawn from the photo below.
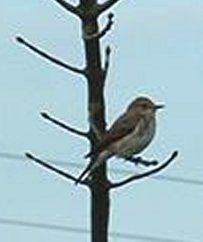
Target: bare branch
(106, 5)
(69, 7)
(65, 126)
(145, 174)
(49, 57)
(107, 61)
(53, 168)
(103, 31)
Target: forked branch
(64, 126)
(145, 174)
(106, 5)
(49, 57)
(53, 168)
(69, 7)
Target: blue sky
(157, 50)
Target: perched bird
(130, 134)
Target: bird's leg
(139, 160)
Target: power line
(10, 156)
(169, 178)
(75, 230)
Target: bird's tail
(94, 164)
(88, 155)
(86, 170)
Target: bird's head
(144, 106)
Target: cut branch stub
(103, 32)
(107, 61)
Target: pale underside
(131, 144)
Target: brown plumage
(128, 135)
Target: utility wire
(118, 235)
(169, 178)
(75, 230)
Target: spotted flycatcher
(130, 134)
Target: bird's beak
(159, 106)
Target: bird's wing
(121, 127)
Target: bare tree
(95, 73)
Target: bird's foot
(139, 160)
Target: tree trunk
(96, 109)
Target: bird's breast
(136, 141)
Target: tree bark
(96, 110)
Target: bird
(129, 135)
